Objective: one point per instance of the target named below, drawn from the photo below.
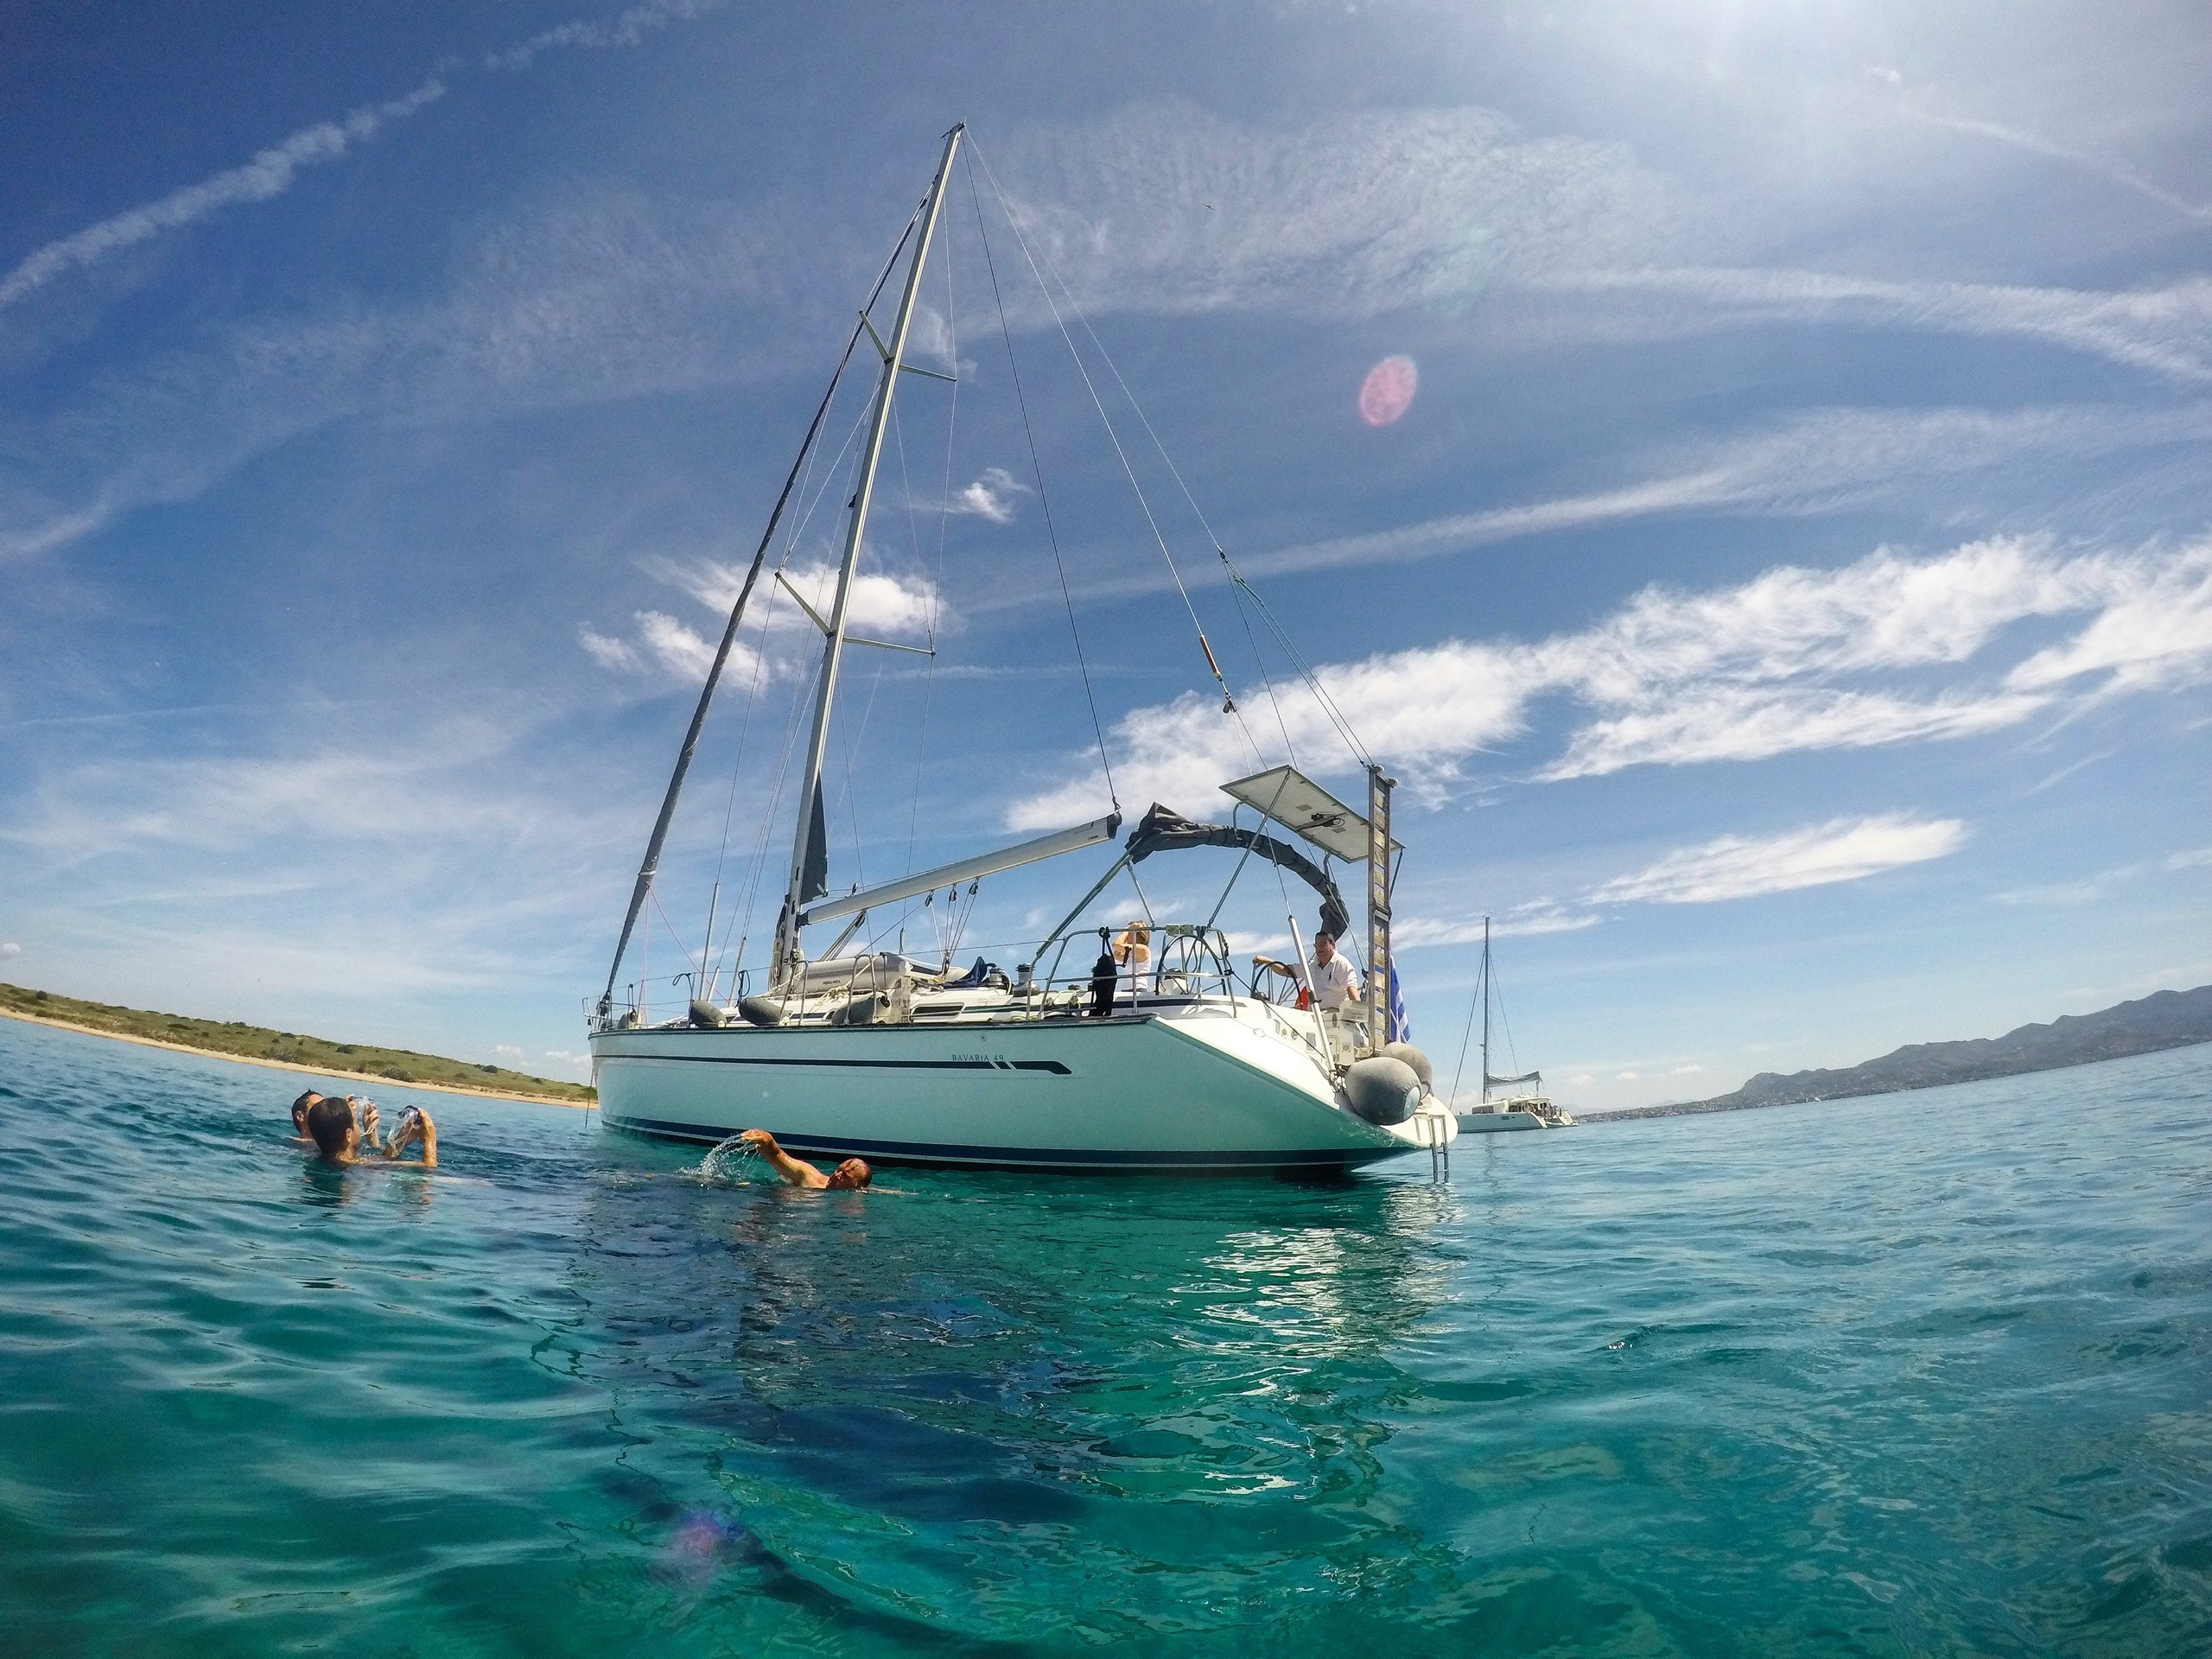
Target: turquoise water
(1924, 1375)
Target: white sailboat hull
(1497, 1122)
(1203, 1090)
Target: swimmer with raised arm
(849, 1177)
(341, 1138)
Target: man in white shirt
(1335, 983)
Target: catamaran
(1526, 1106)
(1157, 1055)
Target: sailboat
(1528, 1107)
(1159, 1060)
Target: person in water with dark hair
(339, 1137)
(849, 1177)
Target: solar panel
(1304, 808)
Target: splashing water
(724, 1165)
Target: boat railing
(1192, 966)
(630, 1007)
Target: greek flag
(1400, 1030)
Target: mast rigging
(803, 871)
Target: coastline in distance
(2163, 1020)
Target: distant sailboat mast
(1486, 1012)
(807, 870)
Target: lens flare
(1387, 391)
(702, 1542)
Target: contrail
(626, 28)
(269, 173)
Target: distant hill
(240, 1041)
(2164, 1019)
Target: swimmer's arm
(792, 1169)
(418, 1130)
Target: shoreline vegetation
(285, 1051)
(2162, 1020)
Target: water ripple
(1922, 1374)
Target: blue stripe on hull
(927, 1153)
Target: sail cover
(814, 880)
(1161, 831)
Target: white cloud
(1525, 922)
(2088, 889)
(508, 1051)
(678, 650)
(9, 948)
(269, 173)
(883, 605)
(383, 795)
(608, 651)
(59, 530)
(1731, 867)
(990, 496)
(1814, 462)
(1690, 725)
(1167, 209)
(1735, 866)
(2154, 631)
(592, 290)
(627, 28)
(1794, 660)
(2085, 891)
(2035, 144)
(2167, 331)
(272, 171)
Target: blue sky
(1786, 596)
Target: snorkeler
(339, 1136)
(300, 1112)
(849, 1177)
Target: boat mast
(1485, 1011)
(787, 956)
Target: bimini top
(1304, 808)
(1161, 830)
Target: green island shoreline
(286, 1050)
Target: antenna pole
(787, 956)
(1379, 876)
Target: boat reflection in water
(1012, 1407)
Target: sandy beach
(292, 1065)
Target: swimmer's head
(850, 1176)
(300, 1111)
(331, 1122)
